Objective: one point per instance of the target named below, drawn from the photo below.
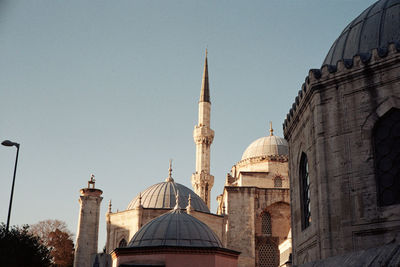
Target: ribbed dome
(175, 228)
(376, 27)
(162, 196)
(266, 146)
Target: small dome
(266, 146)
(376, 27)
(175, 228)
(162, 196)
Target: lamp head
(9, 143)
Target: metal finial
(206, 52)
(189, 207)
(169, 178)
(271, 131)
(140, 199)
(177, 207)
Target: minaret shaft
(204, 114)
(88, 225)
(202, 180)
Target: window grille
(266, 226)
(305, 192)
(268, 255)
(386, 143)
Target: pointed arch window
(266, 225)
(122, 243)
(386, 145)
(305, 192)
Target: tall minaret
(202, 180)
(88, 225)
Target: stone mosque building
(343, 132)
(252, 219)
(341, 159)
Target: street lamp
(9, 143)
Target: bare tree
(43, 229)
(55, 235)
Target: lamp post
(9, 143)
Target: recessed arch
(386, 149)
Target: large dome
(376, 27)
(266, 146)
(175, 228)
(162, 196)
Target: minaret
(202, 180)
(88, 224)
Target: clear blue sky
(111, 88)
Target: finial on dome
(169, 178)
(109, 206)
(189, 207)
(271, 131)
(177, 207)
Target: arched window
(386, 144)
(278, 181)
(305, 192)
(266, 226)
(122, 243)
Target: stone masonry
(332, 122)
(88, 224)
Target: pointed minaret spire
(202, 180)
(271, 131)
(205, 87)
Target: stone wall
(332, 122)
(244, 206)
(215, 222)
(124, 224)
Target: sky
(112, 87)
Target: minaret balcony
(203, 134)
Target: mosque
(252, 219)
(326, 195)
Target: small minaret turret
(88, 225)
(202, 180)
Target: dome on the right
(271, 145)
(376, 27)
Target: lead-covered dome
(271, 145)
(175, 228)
(162, 196)
(376, 27)
(266, 146)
